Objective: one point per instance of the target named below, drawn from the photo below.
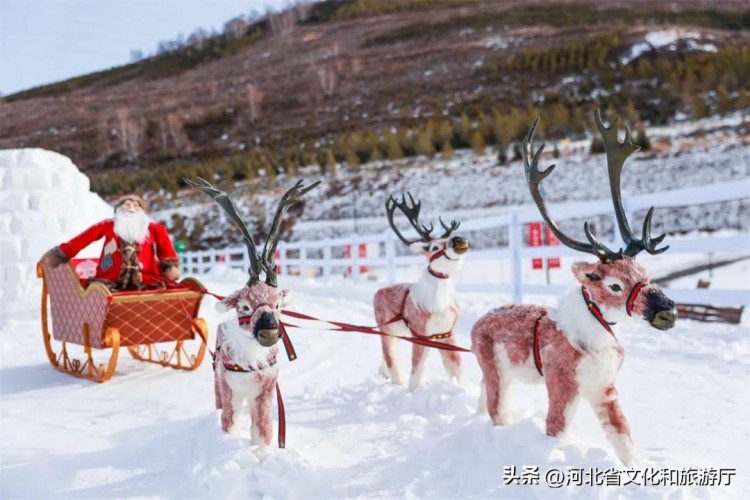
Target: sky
(44, 41)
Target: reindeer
(245, 358)
(427, 308)
(575, 350)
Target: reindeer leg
(230, 405)
(563, 402)
(418, 362)
(495, 383)
(261, 428)
(390, 361)
(217, 389)
(615, 426)
(452, 362)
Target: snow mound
(44, 200)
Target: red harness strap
(630, 305)
(346, 327)
(400, 317)
(596, 312)
(537, 354)
(282, 417)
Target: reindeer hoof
(233, 430)
(261, 452)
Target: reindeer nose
(267, 330)
(268, 337)
(460, 245)
(664, 320)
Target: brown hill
(328, 82)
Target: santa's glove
(170, 269)
(54, 257)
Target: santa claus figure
(137, 252)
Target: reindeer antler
(291, 197)
(534, 178)
(222, 198)
(448, 229)
(411, 211)
(617, 153)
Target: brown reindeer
(245, 358)
(574, 349)
(425, 309)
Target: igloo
(44, 200)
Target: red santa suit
(156, 247)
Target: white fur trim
(241, 347)
(582, 330)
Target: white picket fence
(317, 258)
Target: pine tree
(423, 144)
(393, 147)
(723, 101)
(698, 107)
(476, 141)
(446, 151)
(642, 139)
(352, 160)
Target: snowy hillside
(153, 432)
(469, 186)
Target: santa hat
(132, 197)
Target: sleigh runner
(96, 318)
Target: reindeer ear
(585, 272)
(228, 302)
(419, 248)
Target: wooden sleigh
(96, 318)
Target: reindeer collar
(596, 312)
(234, 367)
(435, 257)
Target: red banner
(362, 253)
(552, 262)
(535, 240)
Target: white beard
(131, 227)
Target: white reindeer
(426, 309)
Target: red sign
(276, 258)
(552, 262)
(84, 268)
(535, 240)
(362, 253)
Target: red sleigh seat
(96, 318)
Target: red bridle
(435, 257)
(630, 304)
(593, 308)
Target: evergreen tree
(423, 144)
(393, 147)
(641, 139)
(446, 151)
(698, 107)
(476, 141)
(352, 160)
(723, 101)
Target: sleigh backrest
(143, 317)
(74, 308)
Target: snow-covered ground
(152, 432)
